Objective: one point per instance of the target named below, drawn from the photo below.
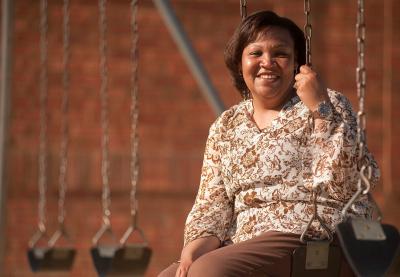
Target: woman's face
(268, 65)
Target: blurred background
(174, 113)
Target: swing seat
(368, 256)
(51, 259)
(129, 260)
(311, 265)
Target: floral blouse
(254, 180)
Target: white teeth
(268, 76)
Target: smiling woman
(289, 141)
(268, 67)
(254, 28)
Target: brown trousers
(266, 255)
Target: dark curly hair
(248, 31)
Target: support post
(5, 85)
(189, 54)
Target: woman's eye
(282, 54)
(256, 53)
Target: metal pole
(5, 85)
(190, 55)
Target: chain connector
(129, 232)
(363, 188)
(40, 233)
(316, 217)
(60, 232)
(364, 178)
(105, 228)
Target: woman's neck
(264, 118)
(264, 113)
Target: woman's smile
(267, 78)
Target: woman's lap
(266, 255)
(268, 252)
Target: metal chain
(43, 117)
(243, 9)
(64, 117)
(361, 77)
(308, 30)
(365, 168)
(134, 113)
(105, 162)
(315, 191)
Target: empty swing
(120, 258)
(50, 256)
(369, 246)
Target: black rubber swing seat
(51, 259)
(368, 257)
(130, 260)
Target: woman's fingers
(182, 269)
(309, 87)
(305, 69)
(183, 272)
(180, 272)
(306, 73)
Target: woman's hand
(183, 268)
(193, 250)
(310, 88)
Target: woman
(266, 156)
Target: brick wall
(174, 115)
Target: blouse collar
(291, 109)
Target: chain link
(308, 30)
(243, 9)
(134, 112)
(105, 162)
(64, 117)
(43, 117)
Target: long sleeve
(334, 152)
(212, 211)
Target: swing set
(118, 257)
(370, 247)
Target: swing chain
(243, 9)
(134, 113)
(308, 30)
(361, 76)
(315, 191)
(64, 119)
(105, 162)
(43, 118)
(361, 88)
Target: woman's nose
(267, 60)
